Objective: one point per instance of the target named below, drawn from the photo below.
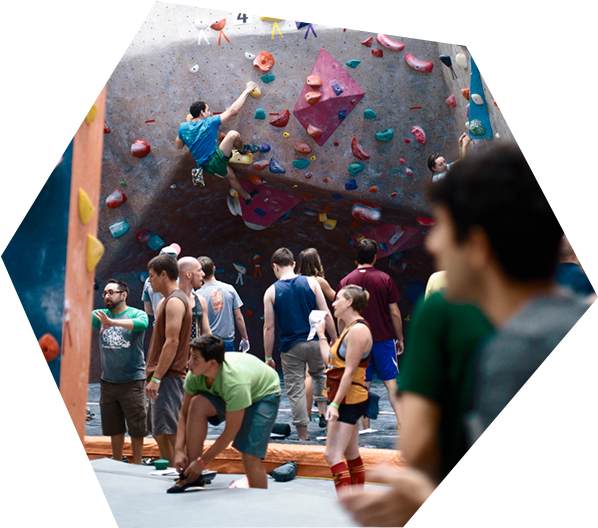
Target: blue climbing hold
(260, 113)
(337, 88)
(259, 212)
(337, 196)
(369, 113)
(119, 229)
(276, 167)
(301, 164)
(353, 63)
(267, 78)
(155, 242)
(351, 185)
(354, 168)
(310, 212)
(387, 135)
(264, 147)
(254, 149)
(342, 114)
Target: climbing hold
(353, 63)
(155, 242)
(416, 64)
(313, 97)
(259, 212)
(301, 164)
(281, 120)
(351, 185)
(446, 60)
(377, 53)
(354, 168)
(451, 101)
(354, 225)
(314, 131)
(337, 88)
(368, 113)
(342, 114)
(313, 158)
(260, 165)
(477, 99)
(366, 212)
(325, 180)
(308, 175)
(86, 208)
(302, 148)
(408, 172)
(115, 199)
(107, 130)
(256, 180)
(267, 78)
(300, 25)
(143, 236)
(286, 135)
(276, 167)
(329, 224)
(249, 312)
(336, 143)
(358, 151)
(306, 197)
(337, 196)
(219, 24)
(119, 229)
(314, 81)
(406, 140)
(195, 69)
(383, 40)
(368, 42)
(476, 127)
(123, 183)
(467, 110)
(461, 60)
(91, 115)
(50, 347)
(256, 92)
(264, 61)
(465, 93)
(393, 194)
(427, 222)
(95, 251)
(373, 188)
(264, 147)
(419, 134)
(401, 160)
(243, 159)
(140, 148)
(249, 56)
(387, 135)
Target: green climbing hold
(476, 128)
(386, 135)
(301, 164)
(267, 78)
(369, 113)
(353, 63)
(260, 113)
(354, 168)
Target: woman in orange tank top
(351, 352)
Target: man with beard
(191, 278)
(122, 386)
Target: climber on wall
(200, 134)
(437, 163)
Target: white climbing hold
(467, 125)
(249, 56)
(497, 135)
(461, 60)
(200, 24)
(477, 99)
(195, 69)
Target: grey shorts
(258, 420)
(120, 402)
(163, 412)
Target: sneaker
(182, 484)
(323, 422)
(148, 461)
(252, 195)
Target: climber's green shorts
(218, 164)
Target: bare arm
(240, 321)
(179, 142)
(322, 305)
(205, 322)
(329, 293)
(148, 308)
(269, 322)
(238, 104)
(397, 324)
(180, 450)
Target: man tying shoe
(236, 388)
(200, 135)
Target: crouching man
(237, 388)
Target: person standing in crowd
(290, 300)
(477, 206)
(224, 307)
(122, 383)
(384, 317)
(190, 277)
(167, 354)
(351, 352)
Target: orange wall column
(79, 292)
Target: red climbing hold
(377, 53)
(401, 160)
(106, 129)
(143, 236)
(140, 149)
(219, 24)
(393, 194)
(407, 140)
(282, 120)
(115, 199)
(308, 175)
(451, 101)
(417, 64)
(426, 221)
(408, 172)
(49, 346)
(368, 42)
(419, 134)
(336, 143)
(358, 151)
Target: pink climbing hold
(407, 140)
(281, 120)
(401, 160)
(418, 64)
(419, 134)
(358, 151)
(115, 199)
(408, 172)
(140, 149)
(451, 101)
(383, 40)
(425, 221)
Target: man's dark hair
(282, 257)
(167, 263)
(210, 346)
(498, 192)
(207, 266)
(366, 251)
(197, 108)
(122, 286)
(432, 162)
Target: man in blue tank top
(290, 300)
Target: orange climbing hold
(49, 346)
(264, 61)
(260, 165)
(302, 148)
(373, 188)
(313, 97)
(314, 131)
(465, 93)
(256, 180)
(314, 80)
(219, 24)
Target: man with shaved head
(191, 278)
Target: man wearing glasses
(122, 385)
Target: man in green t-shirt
(237, 388)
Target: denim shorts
(258, 420)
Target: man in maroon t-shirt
(384, 317)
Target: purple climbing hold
(351, 185)
(264, 147)
(342, 114)
(276, 167)
(301, 24)
(337, 88)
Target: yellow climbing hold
(244, 159)
(86, 208)
(330, 224)
(268, 19)
(256, 92)
(91, 115)
(95, 251)
(313, 158)
(286, 134)
(322, 217)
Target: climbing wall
(339, 138)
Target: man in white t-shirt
(224, 307)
